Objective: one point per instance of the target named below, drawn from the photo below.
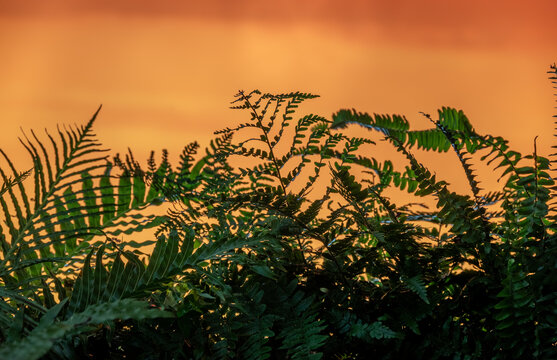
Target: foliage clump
(296, 253)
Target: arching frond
(73, 197)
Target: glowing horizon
(165, 72)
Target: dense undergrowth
(297, 253)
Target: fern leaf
(41, 339)
(416, 284)
(63, 214)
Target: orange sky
(165, 71)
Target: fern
(298, 252)
(73, 201)
(376, 330)
(514, 312)
(47, 230)
(41, 339)
(170, 257)
(302, 336)
(417, 285)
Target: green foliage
(73, 199)
(41, 339)
(298, 252)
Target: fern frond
(514, 311)
(42, 338)
(302, 335)
(74, 197)
(170, 257)
(447, 123)
(416, 284)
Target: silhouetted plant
(298, 252)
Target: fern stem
(259, 119)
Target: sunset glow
(165, 71)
